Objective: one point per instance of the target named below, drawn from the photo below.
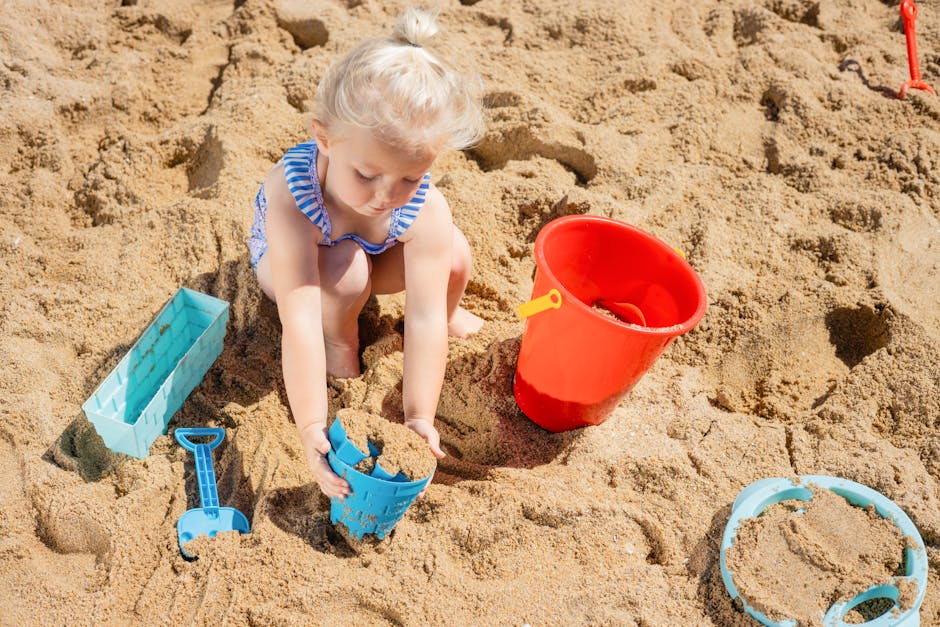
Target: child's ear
(321, 135)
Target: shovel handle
(205, 471)
(182, 436)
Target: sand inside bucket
(400, 448)
(797, 565)
(604, 311)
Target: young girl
(352, 213)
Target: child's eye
(412, 181)
(364, 177)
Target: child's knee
(263, 274)
(461, 256)
(350, 270)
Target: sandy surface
(762, 138)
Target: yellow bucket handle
(552, 300)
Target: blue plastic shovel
(210, 519)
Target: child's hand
(426, 430)
(316, 446)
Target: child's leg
(388, 277)
(344, 288)
(460, 322)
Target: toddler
(353, 212)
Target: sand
(762, 138)
(798, 558)
(399, 449)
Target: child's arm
(293, 248)
(427, 270)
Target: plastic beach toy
(135, 402)
(760, 495)
(209, 518)
(378, 500)
(909, 16)
(576, 362)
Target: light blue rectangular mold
(135, 402)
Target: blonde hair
(397, 89)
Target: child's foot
(463, 324)
(342, 360)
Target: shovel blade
(198, 521)
(628, 312)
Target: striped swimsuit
(300, 170)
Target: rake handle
(909, 16)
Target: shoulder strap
(300, 171)
(409, 211)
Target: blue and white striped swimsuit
(300, 170)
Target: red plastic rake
(909, 15)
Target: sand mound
(763, 138)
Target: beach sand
(763, 138)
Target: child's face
(368, 175)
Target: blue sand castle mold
(344, 449)
(380, 473)
(376, 504)
(377, 471)
(349, 454)
(209, 518)
(760, 495)
(135, 402)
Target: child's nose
(384, 193)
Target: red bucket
(576, 362)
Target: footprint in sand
(790, 362)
